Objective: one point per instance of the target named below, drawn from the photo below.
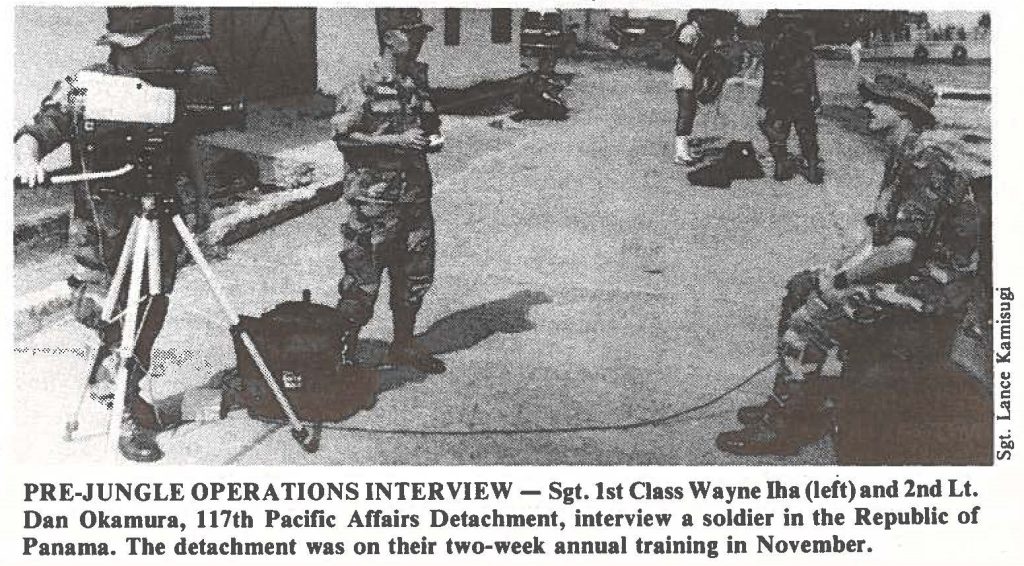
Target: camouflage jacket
(927, 195)
(790, 78)
(384, 103)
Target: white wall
(347, 43)
(50, 43)
(476, 58)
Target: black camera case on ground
(300, 341)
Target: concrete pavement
(581, 282)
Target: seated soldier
(921, 261)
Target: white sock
(682, 147)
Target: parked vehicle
(956, 51)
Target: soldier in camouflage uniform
(789, 95)
(921, 260)
(103, 210)
(382, 128)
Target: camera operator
(139, 39)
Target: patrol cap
(402, 19)
(130, 27)
(899, 91)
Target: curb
(32, 311)
(46, 223)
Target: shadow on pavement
(460, 330)
(457, 331)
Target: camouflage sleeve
(812, 78)
(929, 186)
(420, 78)
(350, 109)
(52, 126)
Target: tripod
(141, 256)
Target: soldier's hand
(28, 169)
(413, 138)
(829, 294)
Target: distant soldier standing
(921, 260)
(689, 44)
(382, 129)
(789, 95)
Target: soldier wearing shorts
(689, 44)
(382, 127)
(922, 260)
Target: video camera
(126, 120)
(206, 100)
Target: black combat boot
(786, 426)
(136, 444)
(406, 351)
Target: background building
(269, 52)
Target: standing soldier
(381, 127)
(789, 95)
(139, 40)
(922, 260)
(689, 44)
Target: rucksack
(300, 342)
(738, 161)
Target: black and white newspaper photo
(563, 282)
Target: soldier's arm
(431, 119)
(52, 126)
(352, 131)
(919, 208)
(876, 261)
(812, 77)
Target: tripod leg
(153, 257)
(122, 267)
(299, 431)
(128, 330)
(109, 304)
(71, 426)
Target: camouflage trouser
(375, 236)
(97, 232)
(777, 124)
(810, 330)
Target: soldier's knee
(808, 128)
(775, 131)
(801, 285)
(355, 305)
(799, 289)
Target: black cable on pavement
(557, 430)
(511, 431)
